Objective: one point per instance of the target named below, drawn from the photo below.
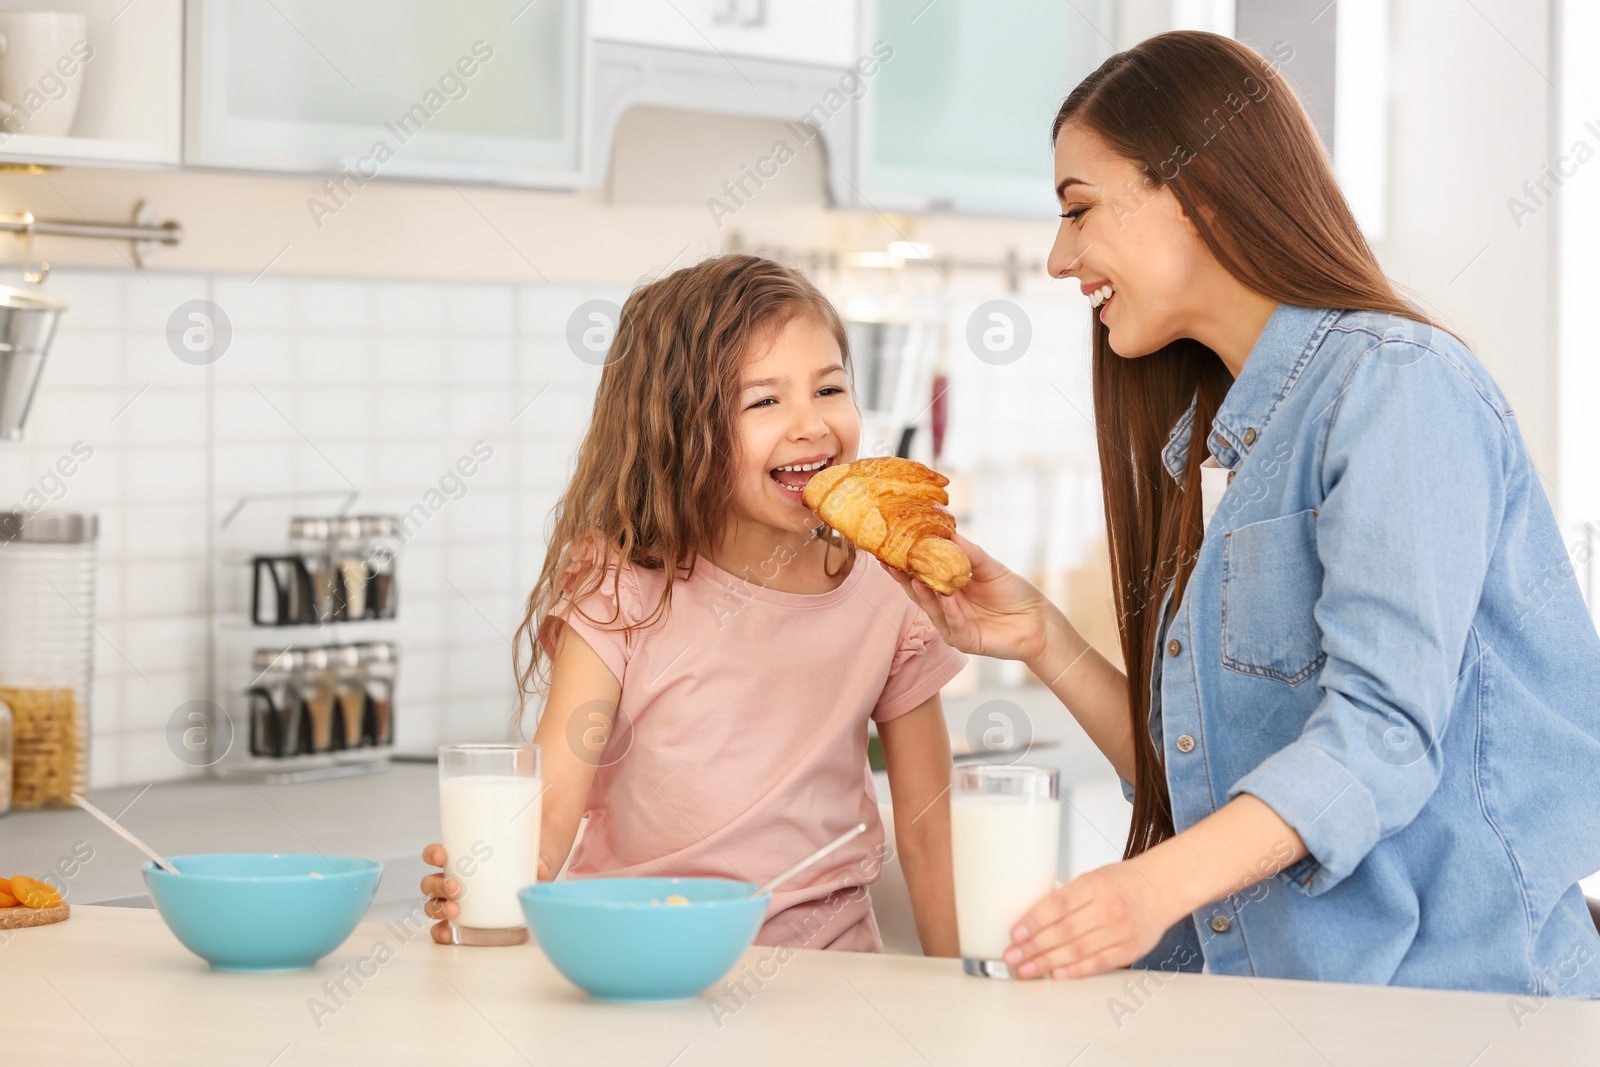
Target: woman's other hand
(1106, 918)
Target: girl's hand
(441, 891)
(1110, 917)
(998, 613)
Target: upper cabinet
(921, 106)
(91, 81)
(959, 118)
(480, 90)
(819, 32)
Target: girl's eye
(1075, 214)
(763, 402)
(830, 390)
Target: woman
(1361, 717)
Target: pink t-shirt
(740, 743)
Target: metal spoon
(859, 828)
(124, 834)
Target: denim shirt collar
(1286, 343)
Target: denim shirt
(1383, 640)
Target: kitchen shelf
(131, 100)
(258, 525)
(78, 151)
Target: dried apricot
(7, 900)
(32, 893)
(5, 886)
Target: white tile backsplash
(326, 384)
(408, 307)
(263, 304)
(333, 304)
(485, 310)
(382, 387)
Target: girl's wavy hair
(653, 481)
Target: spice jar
(312, 540)
(317, 683)
(381, 663)
(380, 535)
(351, 694)
(274, 703)
(47, 571)
(350, 570)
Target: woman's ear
(1187, 220)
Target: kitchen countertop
(387, 816)
(112, 986)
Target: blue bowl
(259, 911)
(607, 937)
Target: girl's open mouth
(793, 477)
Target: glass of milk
(489, 810)
(1005, 830)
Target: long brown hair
(1211, 120)
(654, 476)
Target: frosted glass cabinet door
(959, 117)
(485, 90)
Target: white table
(112, 986)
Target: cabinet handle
(727, 13)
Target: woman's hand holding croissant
(998, 613)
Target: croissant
(894, 508)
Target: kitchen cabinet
(127, 81)
(959, 118)
(820, 32)
(480, 90)
(810, 100)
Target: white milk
(1004, 851)
(491, 836)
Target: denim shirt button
(1174, 647)
(1220, 923)
(1185, 743)
(1249, 438)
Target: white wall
(1473, 100)
(1577, 208)
(329, 384)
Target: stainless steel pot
(27, 326)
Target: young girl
(710, 660)
(1361, 717)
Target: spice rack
(318, 678)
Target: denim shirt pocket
(1271, 580)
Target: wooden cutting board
(20, 917)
